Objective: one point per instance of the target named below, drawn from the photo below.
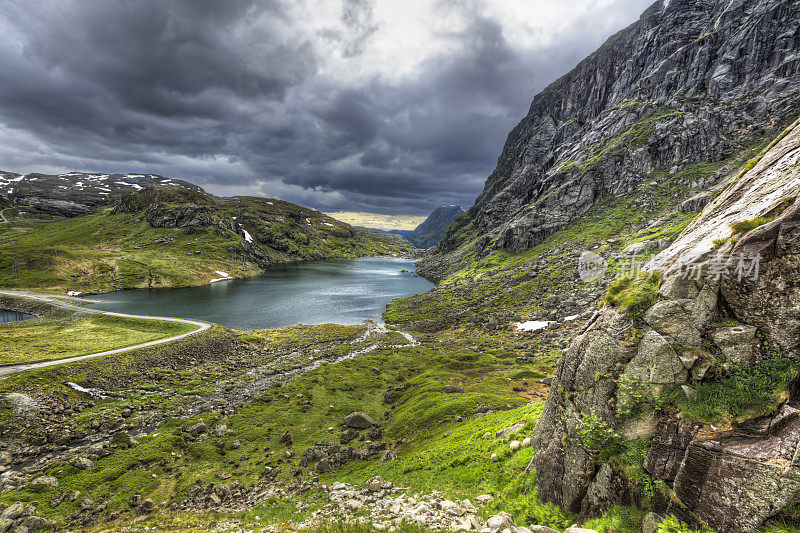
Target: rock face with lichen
(700, 325)
(691, 83)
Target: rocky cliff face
(709, 327)
(692, 83)
(430, 232)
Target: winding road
(13, 369)
(3, 219)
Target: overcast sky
(379, 106)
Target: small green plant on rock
(634, 295)
(633, 396)
(743, 226)
(599, 439)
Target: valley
(607, 341)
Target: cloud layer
(358, 105)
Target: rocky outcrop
(770, 301)
(691, 81)
(564, 466)
(731, 481)
(672, 437)
(736, 482)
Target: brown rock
(770, 302)
(666, 452)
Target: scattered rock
(44, 483)
(359, 420)
(286, 439)
(82, 463)
(516, 428)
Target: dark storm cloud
(229, 95)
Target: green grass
(618, 520)
(450, 456)
(744, 226)
(104, 251)
(73, 334)
(633, 295)
(745, 390)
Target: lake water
(13, 316)
(345, 291)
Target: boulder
(286, 438)
(197, 428)
(359, 420)
(737, 343)
(574, 529)
(655, 362)
(500, 522)
(676, 287)
(82, 463)
(44, 483)
(453, 389)
(516, 428)
(542, 529)
(703, 308)
(669, 319)
(14, 511)
(348, 435)
(37, 523)
(651, 522)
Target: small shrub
(634, 295)
(718, 243)
(633, 396)
(673, 525)
(744, 226)
(598, 439)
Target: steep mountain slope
(169, 236)
(670, 98)
(690, 386)
(433, 228)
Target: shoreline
(51, 292)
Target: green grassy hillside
(59, 333)
(171, 238)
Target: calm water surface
(315, 292)
(13, 316)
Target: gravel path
(13, 369)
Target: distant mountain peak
(430, 232)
